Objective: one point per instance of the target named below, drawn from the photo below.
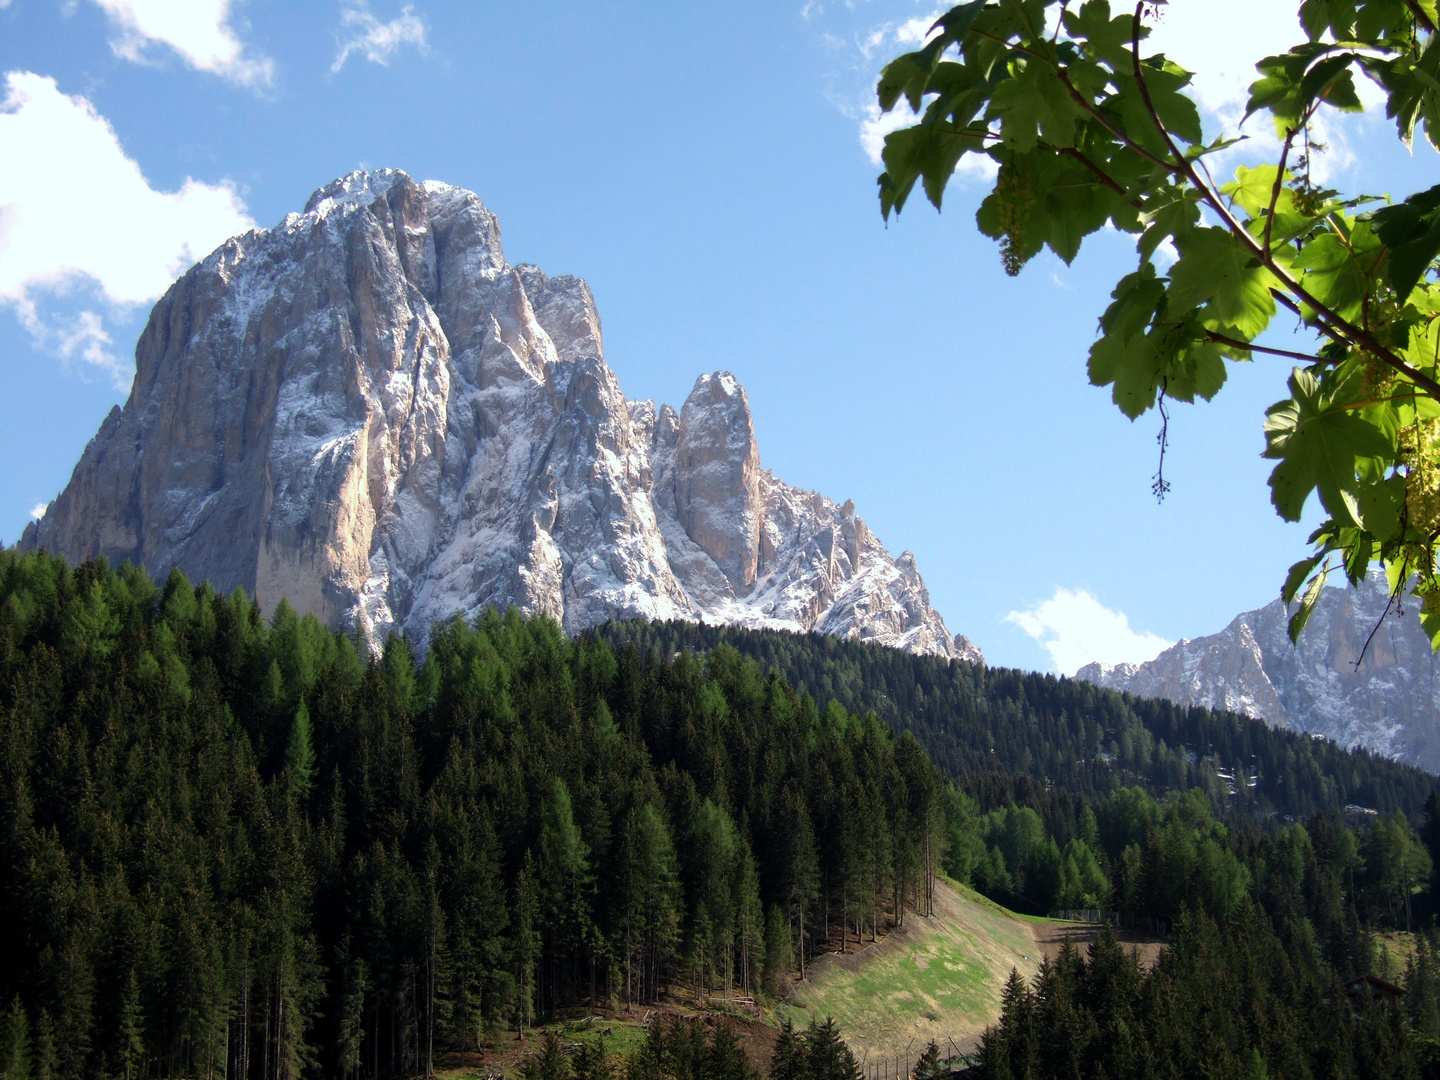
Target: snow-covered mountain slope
(369, 411)
(1390, 703)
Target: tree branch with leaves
(1088, 130)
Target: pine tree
(42, 1058)
(787, 1062)
(527, 944)
(930, 1067)
(132, 1030)
(15, 1043)
(650, 901)
(593, 1062)
(300, 755)
(826, 1055)
(550, 1062)
(725, 1058)
(779, 952)
(564, 880)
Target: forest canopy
(247, 847)
(254, 847)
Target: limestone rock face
(368, 411)
(1390, 703)
(717, 478)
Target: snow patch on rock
(1388, 703)
(367, 410)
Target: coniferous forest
(239, 847)
(252, 847)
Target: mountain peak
(1387, 701)
(358, 188)
(369, 411)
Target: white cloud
(1207, 39)
(875, 125)
(378, 41)
(199, 30)
(1075, 629)
(1201, 37)
(74, 210)
(38, 510)
(915, 32)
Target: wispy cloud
(1075, 629)
(38, 510)
(377, 41)
(199, 30)
(78, 213)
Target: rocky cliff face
(369, 411)
(1390, 703)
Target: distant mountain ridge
(1390, 703)
(369, 411)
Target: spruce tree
(15, 1043)
(826, 1055)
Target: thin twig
(1105, 178)
(1389, 603)
(1115, 132)
(1420, 17)
(1279, 183)
(1225, 339)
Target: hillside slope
(1057, 734)
(937, 977)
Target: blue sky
(707, 168)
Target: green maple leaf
(1109, 39)
(1337, 16)
(1380, 508)
(1198, 371)
(1171, 212)
(1324, 444)
(1133, 367)
(1307, 604)
(1411, 230)
(1252, 189)
(1216, 270)
(1034, 103)
(1333, 274)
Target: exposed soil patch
(1050, 938)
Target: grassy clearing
(938, 978)
(1393, 949)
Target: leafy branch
(1088, 132)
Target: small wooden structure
(1374, 988)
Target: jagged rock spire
(369, 411)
